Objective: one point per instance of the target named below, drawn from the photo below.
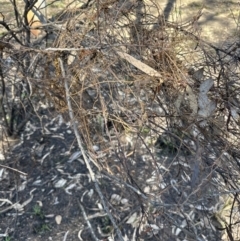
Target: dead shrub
(156, 106)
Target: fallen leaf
(133, 218)
(140, 65)
(206, 85)
(115, 199)
(58, 219)
(60, 183)
(75, 156)
(206, 106)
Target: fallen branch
(13, 169)
(87, 221)
(86, 160)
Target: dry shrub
(172, 134)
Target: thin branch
(13, 169)
(86, 160)
(5, 25)
(87, 221)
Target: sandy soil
(219, 20)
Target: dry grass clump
(168, 130)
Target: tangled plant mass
(155, 112)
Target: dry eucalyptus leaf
(69, 187)
(22, 186)
(40, 204)
(206, 106)
(2, 172)
(100, 207)
(18, 207)
(141, 66)
(90, 193)
(124, 201)
(27, 201)
(60, 183)
(115, 199)
(208, 110)
(49, 216)
(206, 86)
(154, 226)
(72, 57)
(203, 123)
(58, 219)
(147, 189)
(96, 148)
(133, 218)
(75, 156)
(4, 201)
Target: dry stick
(71, 114)
(87, 221)
(65, 236)
(13, 169)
